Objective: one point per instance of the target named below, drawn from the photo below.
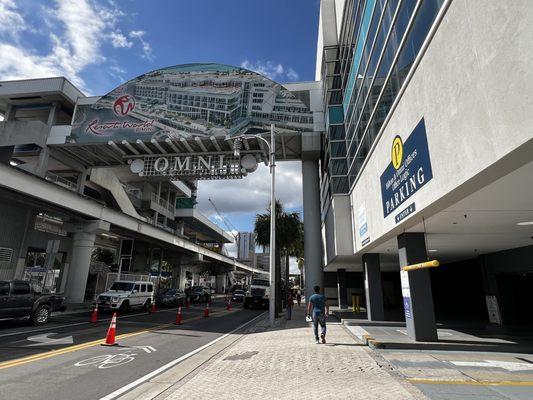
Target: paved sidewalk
(286, 363)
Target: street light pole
(272, 164)
(273, 277)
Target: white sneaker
(317, 341)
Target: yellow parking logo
(397, 152)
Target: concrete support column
(373, 289)
(10, 113)
(82, 178)
(42, 165)
(182, 274)
(341, 288)
(52, 115)
(314, 275)
(82, 248)
(416, 289)
(221, 283)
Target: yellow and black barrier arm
(427, 264)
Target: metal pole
(272, 162)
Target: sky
(99, 44)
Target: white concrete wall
(474, 89)
(338, 228)
(327, 31)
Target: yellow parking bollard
(356, 303)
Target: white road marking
(158, 371)
(509, 366)
(77, 323)
(107, 360)
(44, 340)
(148, 349)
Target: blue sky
(98, 44)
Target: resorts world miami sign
(408, 171)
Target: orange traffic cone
(178, 317)
(153, 308)
(228, 307)
(110, 338)
(206, 311)
(94, 314)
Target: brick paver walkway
(286, 363)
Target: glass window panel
(339, 166)
(336, 115)
(365, 23)
(336, 132)
(338, 149)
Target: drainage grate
(6, 255)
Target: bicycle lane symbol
(107, 360)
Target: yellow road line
(469, 383)
(81, 346)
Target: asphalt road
(76, 366)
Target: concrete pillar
(82, 248)
(11, 110)
(341, 288)
(416, 289)
(181, 275)
(373, 289)
(82, 178)
(220, 283)
(42, 164)
(52, 115)
(314, 275)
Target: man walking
(318, 309)
(290, 303)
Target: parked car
(199, 294)
(123, 295)
(170, 298)
(238, 295)
(18, 299)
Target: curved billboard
(186, 101)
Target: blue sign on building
(407, 307)
(408, 171)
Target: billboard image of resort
(190, 100)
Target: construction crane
(228, 224)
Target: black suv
(199, 294)
(18, 299)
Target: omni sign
(206, 166)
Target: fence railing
(163, 203)
(59, 180)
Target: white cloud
(11, 20)
(292, 74)
(118, 40)
(76, 31)
(272, 70)
(252, 193)
(147, 49)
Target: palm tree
(289, 240)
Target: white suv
(123, 295)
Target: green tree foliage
(103, 255)
(289, 237)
